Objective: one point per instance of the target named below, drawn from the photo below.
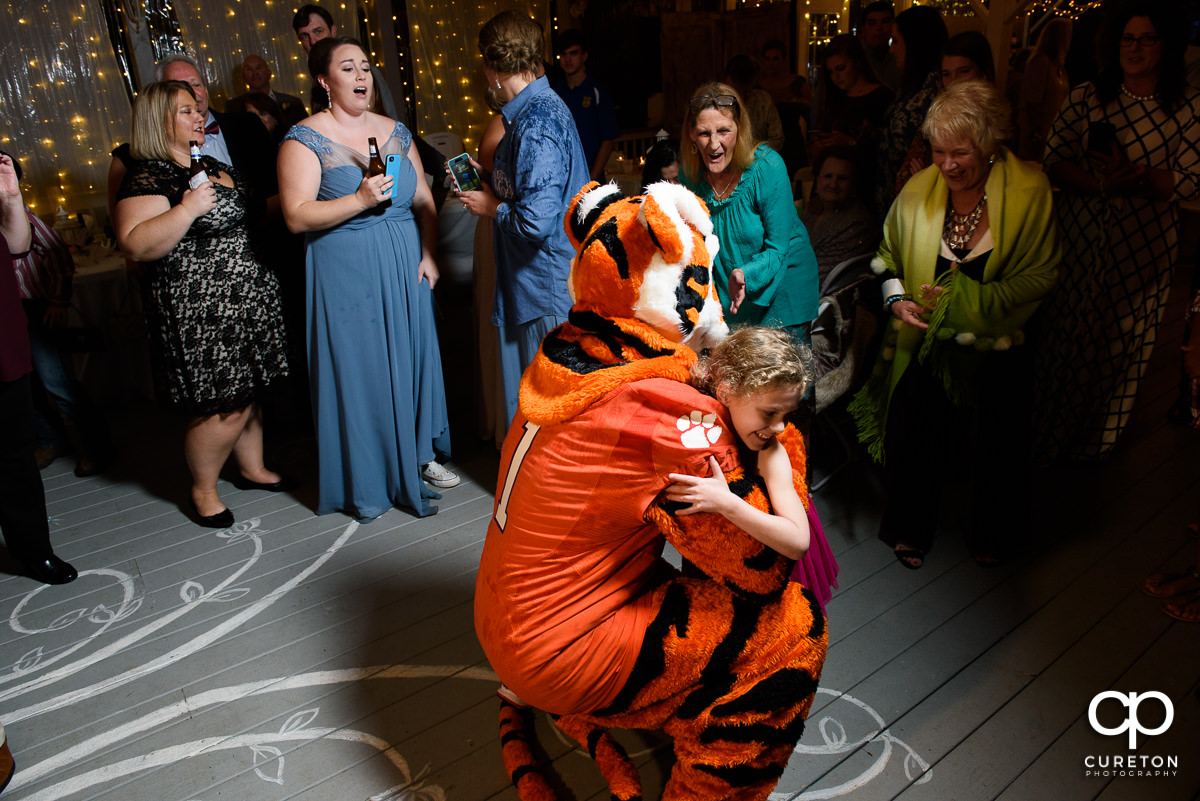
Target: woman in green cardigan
(971, 247)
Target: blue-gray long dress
(379, 403)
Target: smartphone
(392, 167)
(1102, 136)
(465, 176)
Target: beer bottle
(199, 175)
(375, 164)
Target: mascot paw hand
(699, 430)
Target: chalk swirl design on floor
(835, 741)
(266, 752)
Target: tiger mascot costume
(575, 607)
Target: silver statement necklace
(959, 228)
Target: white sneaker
(439, 476)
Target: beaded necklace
(959, 228)
(1140, 98)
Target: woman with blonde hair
(212, 313)
(765, 271)
(970, 249)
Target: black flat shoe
(222, 519)
(282, 485)
(51, 570)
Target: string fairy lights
(65, 104)
(62, 100)
(63, 96)
(447, 70)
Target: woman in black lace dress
(213, 314)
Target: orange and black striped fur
(729, 664)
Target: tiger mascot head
(646, 257)
(642, 294)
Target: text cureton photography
(1130, 765)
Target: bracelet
(887, 304)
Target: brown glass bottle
(374, 164)
(198, 174)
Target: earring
(499, 88)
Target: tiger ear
(664, 229)
(671, 213)
(586, 208)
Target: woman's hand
(427, 269)
(480, 202)
(929, 295)
(909, 312)
(201, 200)
(737, 290)
(833, 139)
(1119, 176)
(911, 166)
(375, 190)
(10, 187)
(1126, 179)
(55, 316)
(709, 494)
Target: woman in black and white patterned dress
(212, 313)
(1118, 213)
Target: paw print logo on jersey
(699, 430)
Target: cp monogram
(1131, 724)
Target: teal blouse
(760, 232)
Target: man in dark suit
(256, 72)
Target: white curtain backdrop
(446, 63)
(63, 103)
(221, 33)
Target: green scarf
(979, 316)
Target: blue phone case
(392, 168)
(465, 176)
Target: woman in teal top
(765, 270)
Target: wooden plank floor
(305, 657)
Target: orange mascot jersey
(563, 586)
(575, 608)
